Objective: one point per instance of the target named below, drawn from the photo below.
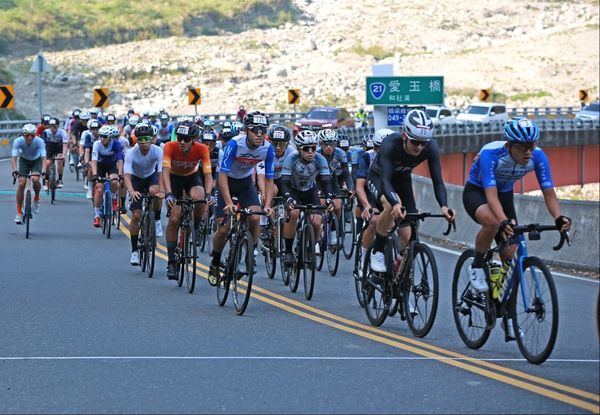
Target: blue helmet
(521, 130)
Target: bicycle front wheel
(202, 234)
(270, 255)
(421, 300)
(376, 292)
(243, 271)
(107, 214)
(469, 313)
(356, 274)
(150, 242)
(142, 245)
(27, 215)
(189, 256)
(223, 280)
(534, 310)
(332, 250)
(348, 235)
(308, 260)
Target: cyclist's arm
(346, 178)
(552, 202)
(206, 170)
(166, 178)
(491, 196)
(360, 192)
(127, 183)
(120, 166)
(387, 170)
(269, 174)
(435, 171)
(224, 188)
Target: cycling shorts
(29, 166)
(307, 197)
(474, 196)
(142, 186)
(243, 189)
(107, 169)
(180, 184)
(402, 188)
(53, 149)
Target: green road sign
(405, 90)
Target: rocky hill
(529, 53)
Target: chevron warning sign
(7, 96)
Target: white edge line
(314, 358)
(559, 274)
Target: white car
(440, 114)
(591, 112)
(483, 112)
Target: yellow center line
(382, 336)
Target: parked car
(591, 112)
(440, 114)
(483, 112)
(324, 117)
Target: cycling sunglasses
(309, 149)
(525, 146)
(417, 143)
(145, 139)
(28, 135)
(185, 139)
(280, 144)
(258, 130)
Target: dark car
(324, 117)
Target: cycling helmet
(29, 129)
(418, 126)
(380, 135)
(53, 121)
(145, 113)
(256, 119)
(133, 120)
(46, 118)
(75, 112)
(84, 115)
(111, 117)
(521, 130)
(209, 135)
(187, 129)
(343, 142)
(208, 123)
(105, 131)
(328, 135)
(305, 138)
(143, 130)
(94, 110)
(93, 124)
(153, 114)
(236, 127)
(278, 133)
(164, 117)
(367, 141)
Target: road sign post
(40, 65)
(7, 95)
(293, 97)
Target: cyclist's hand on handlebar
(398, 211)
(95, 178)
(367, 212)
(15, 174)
(210, 200)
(506, 228)
(564, 222)
(268, 211)
(449, 214)
(329, 203)
(160, 194)
(135, 195)
(229, 209)
(289, 203)
(171, 200)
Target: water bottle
(495, 278)
(503, 281)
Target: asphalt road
(83, 331)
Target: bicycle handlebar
(413, 217)
(534, 230)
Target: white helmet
(154, 130)
(84, 115)
(380, 135)
(133, 120)
(114, 131)
(418, 126)
(29, 129)
(305, 138)
(328, 135)
(93, 124)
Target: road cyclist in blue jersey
(299, 186)
(88, 138)
(107, 161)
(56, 147)
(142, 174)
(240, 157)
(390, 182)
(28, 157)
(488, 192)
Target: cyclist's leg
(139, 185)
(36, 173)
(197, 192)
(220, 235)
(407, 197)
(247, 196)
(23, 168)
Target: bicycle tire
(202, 237)
(333, 250)
(294, 272)
(469, 317)
(242, 281)
(223, 279)
(181, 256)
(423, 290)
(52, 183)
(142, 245)
(107, 213)
(190, 255)
(348, 232)
(150, 242)
(270, 255)
(27, 215)
(376, 295)
(529, 325)
(321, 256)
(356, 274)
(308, 260)
(117, 214)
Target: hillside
(528, 53)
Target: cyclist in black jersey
(390, 183)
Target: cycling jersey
(59, 137)
(277, 163)
(494, 167)
(185, 164)
(355, 153)
(124, 145)
(164, 133)
(109, 154)
(32, 151)
(301, 176)
(77, 129)
(141, 165)
(393, 165)
(239, 159)
(88, 139)
(338, 166)
(364, 163)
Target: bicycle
(238, 268)
(411, 281)
(329, 250)
(347, 231)
(27, 209)
(272, 239)
(107, 205)
(52, 177)
(475, 314)
(116, 216)
(207, 226)
(74, 161)
(304, 251)
(147, 236)
(186, 253)
(358, 262)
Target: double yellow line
(550, 389)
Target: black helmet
(279, 132)
(143, 130)
(227, 131)
(188, 130)
(256, 119)
(46, 118)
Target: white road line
(559, 274)
(313, 358)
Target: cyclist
(107, 160)
(366, 144)
(88, 138)
(143, 170)
(488, 193)
(76, 130)
(129, 128)
(298, 184)
(390, 183)
(165, 128)
(179, 174)
(364, 210)
(240, 156)
(31, 152)
(241, 113)
(338, 167)
(95, 115)
(44, 123)
(56, 145)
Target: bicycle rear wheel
(142, 244)
(421, 300)
(356, 274)
(52, 183)
(348, 236)
(181, 254)
(107, 215)
(150, 245)
(243, 271)
(469, 313)
(27, 215)
(332, 251)
(202, 234)
(534, 310)
(223, 281)
(116, 219)
(376, 293)
(189, 258)
(308, 260)
(269, 252)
